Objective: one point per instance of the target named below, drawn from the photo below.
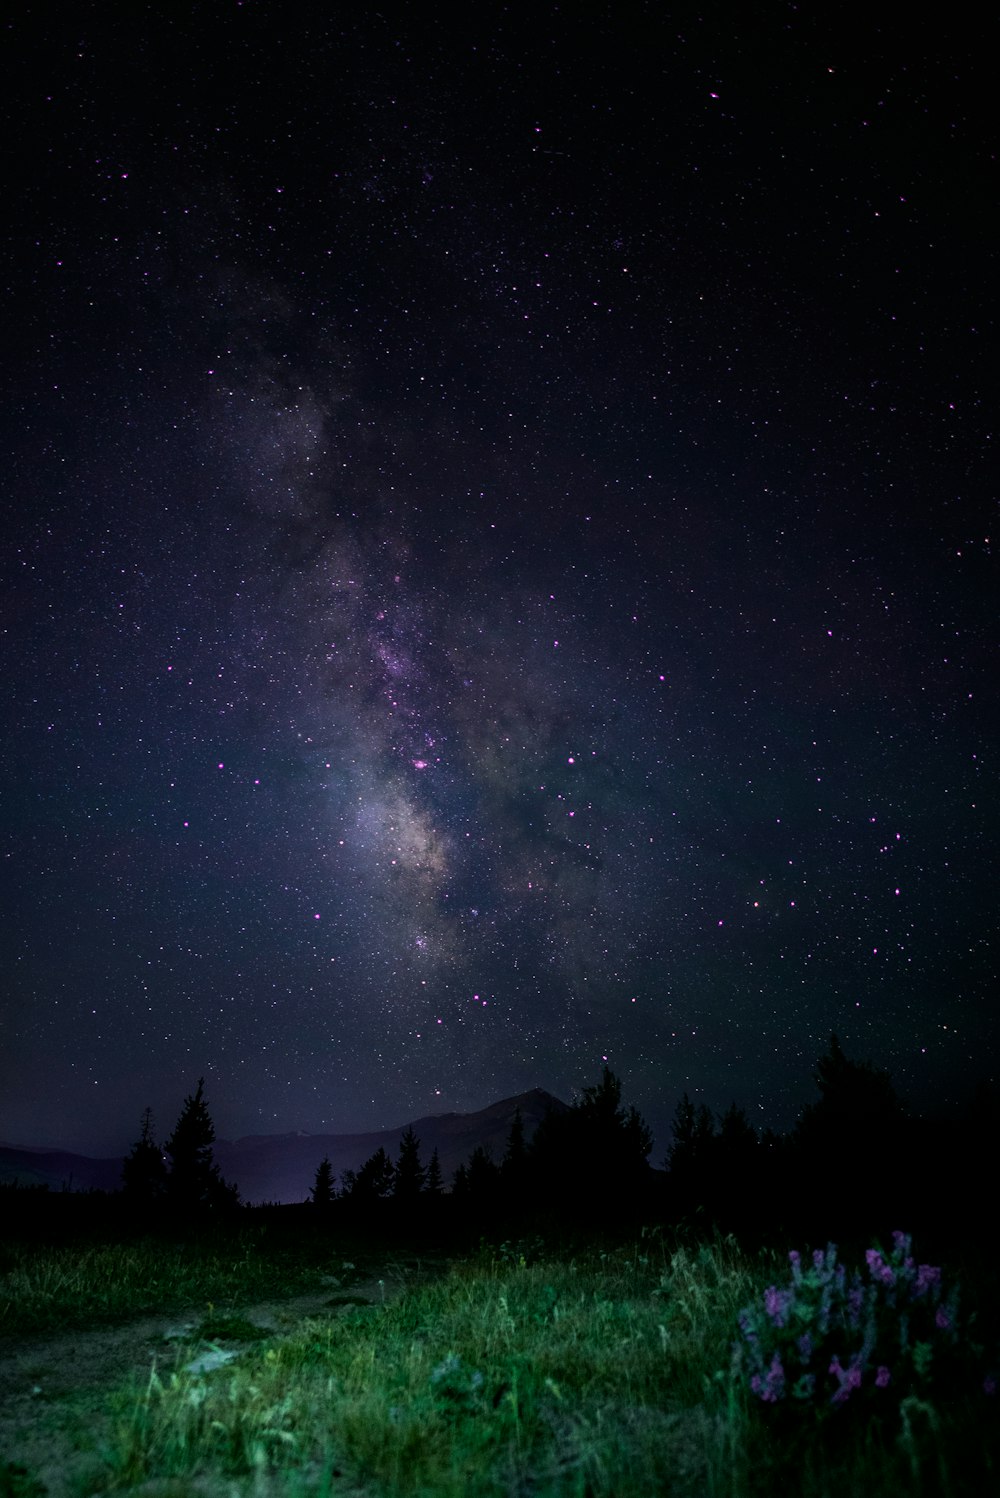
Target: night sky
(496, 560)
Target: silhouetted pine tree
(460, 1183)
(693, 1129)
(850, 1144)
(855, 1097)
(435, 1185)
(615, 1140)
(734, 1170)
(484, 1176)
(144, 1173)
(194, 1184)
(514, 1166)
(689, 1158)
(410, 1175)
(594, 1155)
(322, 1193)
(372, 1183)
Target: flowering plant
(828, 1336)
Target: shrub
(829, 1337)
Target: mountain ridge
(281, 1167)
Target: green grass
(605, 1376)
(43, 1288)
(588, 1375)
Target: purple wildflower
(882, 1377)
(878, 1268)
(927, 1275)
(942, 1319)
(746, 1326)
(775, 1386)
(848, 1379)
(989, 1384)
(777, 1303)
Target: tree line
(855, 1153)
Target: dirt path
(53, 1414)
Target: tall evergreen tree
(194, 1183)
(592, 1155)
(373, 1182)
(850, 1145)
(435, 1185)
(514, 1166)
(854, 1096)
(410, 1176)
(144, 1174)
(483, 1177)
(322, 1189)
(693, 1132)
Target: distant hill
(281, 1167)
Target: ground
(54, 1421)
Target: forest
(856, 1160)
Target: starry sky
(496, 560)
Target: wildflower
(989, 1384)
(777, 1303)
(848, 1379)
(889, 1321)
(878, 1268)
(775, 1386)
(927, 1275)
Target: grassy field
(82, 1284)
(513, 1372)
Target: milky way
(498, 571)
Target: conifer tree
(194, 1183)
(613, 1142)
(410, 1176)
(435, 1185)
(322, 1188)
(483, 1175)
(693, 1131)
(513, 1168)
(144, 1174)
(854, 1096)
(850, 1145)
(373, 1182)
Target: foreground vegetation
(597, 1371)
(78, 1284)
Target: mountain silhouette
(281, 1167)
